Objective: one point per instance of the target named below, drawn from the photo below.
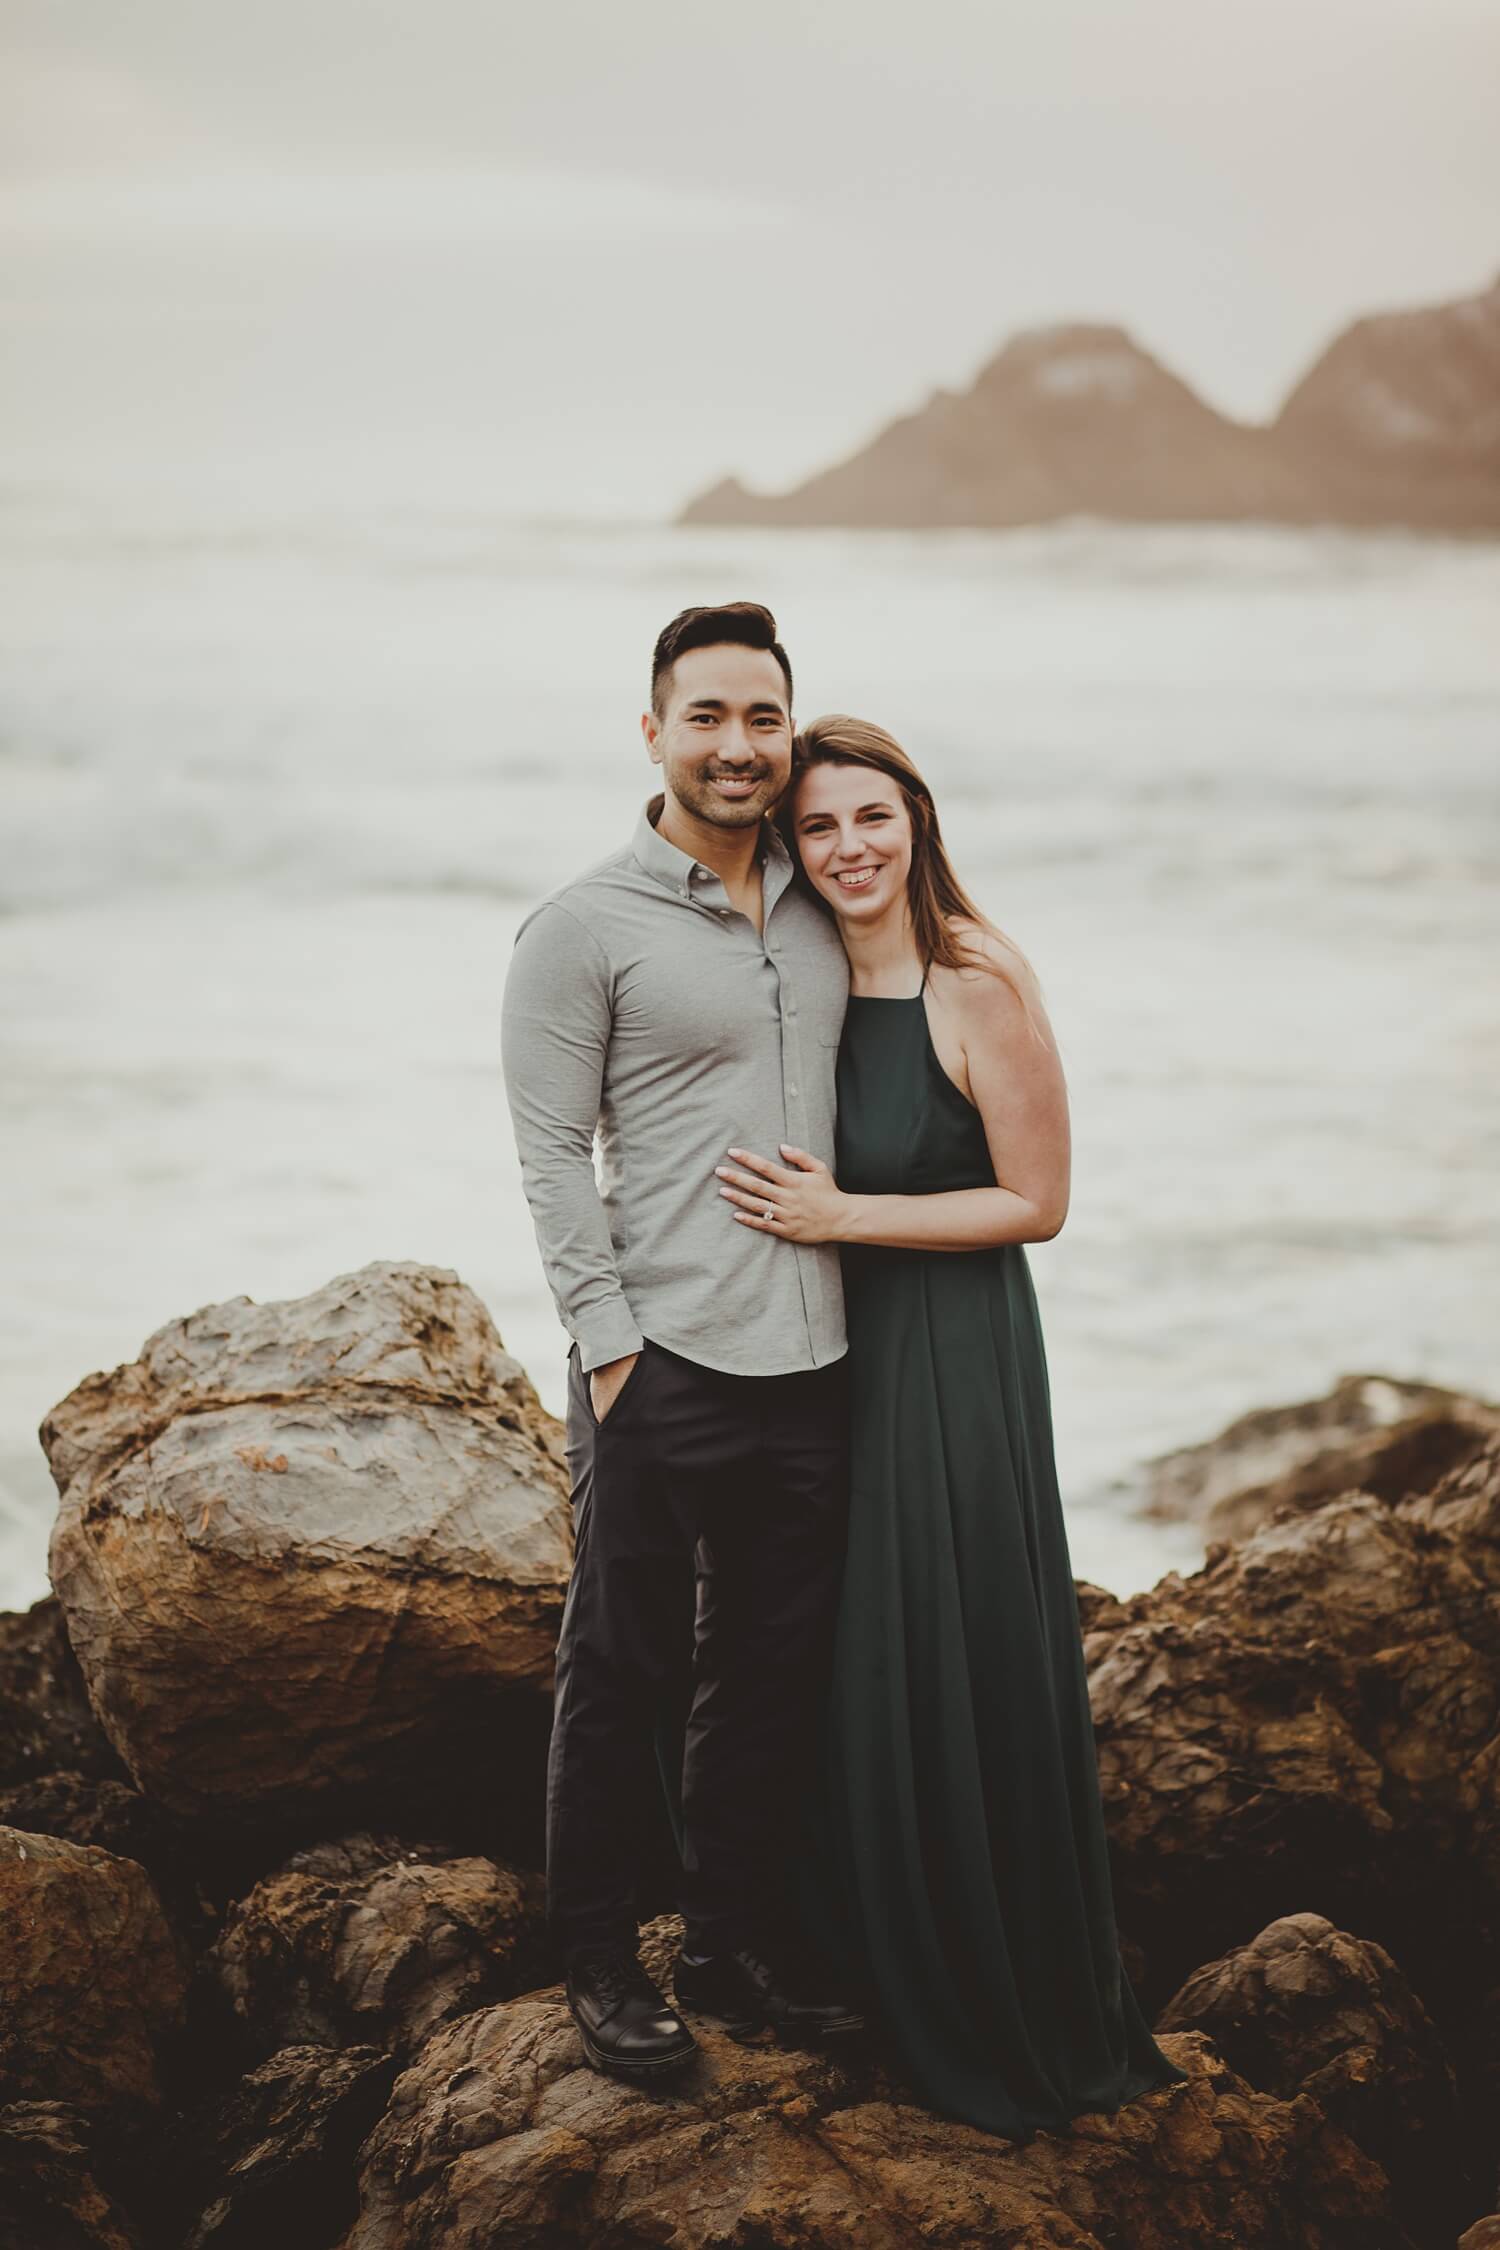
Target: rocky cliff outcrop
(1397, 423)
(1308, 1723)
(1298, 1746)
(1075, 420)
(1399, 420)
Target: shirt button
(791, 1090)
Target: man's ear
(651, 729)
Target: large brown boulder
(371, 1940)
(1308, 2008)
(93, 1985)
(500, 2134)
(310, 1548)
(1308, 1724)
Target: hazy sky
(584, 258)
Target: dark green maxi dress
(958, 1863)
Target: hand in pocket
(607, 1382)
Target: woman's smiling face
(854, 834)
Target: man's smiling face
(724, 742)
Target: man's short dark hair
(748, 623)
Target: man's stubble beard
(698, 796)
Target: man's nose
(736, 746)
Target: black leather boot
(625, 2023)
(748, 1993)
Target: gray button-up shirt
(642, 1005)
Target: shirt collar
(677, 870)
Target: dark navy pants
(710, 1513)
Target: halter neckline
(898, 999)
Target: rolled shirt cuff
(609, 1332)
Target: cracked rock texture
(49, 2197)
(369, 1939)
(304, 1547)
(313, 1557)
(93, 1986)
(118, 1819)
(270, 2165)
(1307, 2008)
(1309, 1722)
(499, 2134)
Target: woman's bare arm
(1015, 1081)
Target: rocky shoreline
(273, 1967)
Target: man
(679, 998)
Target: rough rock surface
(115, 1818)
(92, 1984)
(49, 2197)
(1307, 2008)
(377, 1941)
(303, 1547)
(1309, 1724)
(271, 2165)
(1367, 1434)
(500, 2134)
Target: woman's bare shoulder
(981, 997)
(986, 950)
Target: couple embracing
(808, 1429)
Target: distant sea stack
(1398, 423)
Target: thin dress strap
(922, 987)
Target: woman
(962, 1843)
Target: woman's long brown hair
(935, 895)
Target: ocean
(278, 780)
